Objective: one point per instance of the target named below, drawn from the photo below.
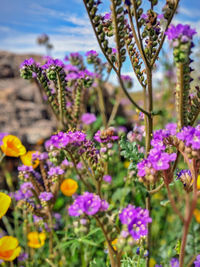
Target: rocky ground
(22, 111)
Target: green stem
(60, 102)
(148, 138)
(102, 104)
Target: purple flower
(45, 196)
(23, 256)
(114, 50)
(197, 261)
(190, 136)
(144, 167)
(55, 171)
(136, 220)
(88, 118)
(24, 191)
(62, 139)
(144, 16)
(174, 262)
(71, 68)
(107, 16)
(106, 136)
(180, 30)
(87, 203)
(91, 53)
(25, 168)
(107, 179)
(160, 160)
(27, 62)
(50, 62)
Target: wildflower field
(117, 183)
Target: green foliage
(130, 152)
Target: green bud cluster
(168, 8)
(135, 58)
(26, 73)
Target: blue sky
(65, 21)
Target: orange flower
(36, 240)
(27, 159)
(12, 146)
(68, 187)
(5, 201)
(9, 248)
(114, 243)
(197, 215)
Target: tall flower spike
(181, 36)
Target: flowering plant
(123, 182)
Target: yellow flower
(152, 262)
(126, 164)
(36, 240)
(9, 248)
(198, 182)
(12, 146)
(197, 215)
(69, 187)
(27, 159)
(5, 201)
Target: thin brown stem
(113, 113)
(129, 97)
(157, 189)
(173, 203)
(188, 213)
(114, 255)
(88, 186)
(139, 35)
(101, 104)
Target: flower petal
(5, 201)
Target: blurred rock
(22, 111)
(10, 62)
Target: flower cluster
(45, 196)
(24, 192)
(181, 35)
(158, 159)
(191, 138)
(106, 136)
(185, 177)
(180, 31)
(61, 140)
(136, 219)
(87, 203)
(88, 118)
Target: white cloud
(189, 12)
